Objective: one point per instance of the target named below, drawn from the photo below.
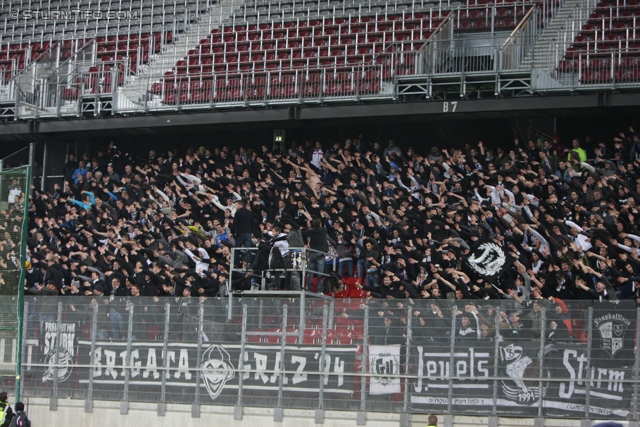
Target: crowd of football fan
(401, 221)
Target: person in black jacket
(557, 331)
(317, 238)
(20, 419)
(242, 229)
(387, 333)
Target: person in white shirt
(317, 156)
(14, 191)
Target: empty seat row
(245, 45)
(613, 14)
(297, 4)
(472, 3)
(205, 58)
(325, 30)
(612, 7)
(283, 65)
(500, 12)
(603, 37)
(271, 79)
(373, 43)
(599, 63)
(607, 49)
(621, 75)
(320, 21)
(482, 24)
(323, 43)
(242, 16)
(621, 49)
(620, 25)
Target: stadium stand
(168, 56)
(121, 33)
(606, 48)
(164, 226)
(260, 51)
(337, 48)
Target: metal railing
(521, 40)
(574, 23)
(550, 359)
(609, 68)
(80, 91)
(381, 10)
(193, 84)
(43, 96)
(211, 90)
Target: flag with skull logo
(487, 259)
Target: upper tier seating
(608, 46)
(143, 29)
(320, 46)
(258, 38)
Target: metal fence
(546, 359)
(14, 191)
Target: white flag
(384, 366)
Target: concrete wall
(107, 414)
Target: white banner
(384, 366)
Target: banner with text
(219, 364)
(561, 378)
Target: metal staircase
(551, 42)
(136, 91)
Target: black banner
(564, 370)
(557, 377)
(219, 364)
(63, 352)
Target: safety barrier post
(279, 370)
(405, 416)
(587, 397)
(303, 309)
(195, 407)
(362, 414)
(53, 403)
(331, 312)
(162, 404)
(237, 410)
(448, 418)
(124, 404)
(319, 414)
(539, 420)
(493, 419)
(88, 403)
(636, 374)
(230, 286)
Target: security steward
(7, 413)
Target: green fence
(14, 185)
